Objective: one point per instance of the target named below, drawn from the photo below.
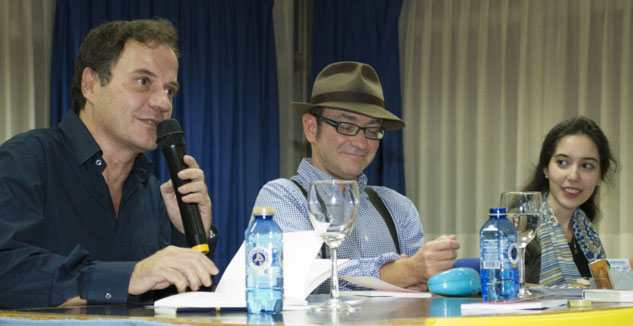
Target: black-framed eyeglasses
(350, 129)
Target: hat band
(353, 97)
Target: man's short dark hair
(103, 45)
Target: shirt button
(98, 162)
(108, 296)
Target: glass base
(335, 304)
(524, 293)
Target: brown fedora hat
(350, 86)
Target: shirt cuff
(381, 260)
(106, 282)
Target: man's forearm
(399, 272)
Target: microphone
(171, 141)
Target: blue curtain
(227, 105)
(366, 31)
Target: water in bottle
(499, 258)
(264, 257)
(265, 319)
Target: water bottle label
(495, 264)
(490, 255)
(513, 253)
(259, 259)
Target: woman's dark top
(533, 261)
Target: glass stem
(334, 291)
(522, 268)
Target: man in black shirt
(82, 217)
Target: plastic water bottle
(499, 258)
(265, 319)
(264, 257)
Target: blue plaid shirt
(369, 244)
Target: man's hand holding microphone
(189, 208)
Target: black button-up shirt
(59, 234)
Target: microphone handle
(194, 229)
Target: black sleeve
(31, 275)
(213, 241)
(533, 262)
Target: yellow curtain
(25, 50)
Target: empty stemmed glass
(524, 211)
(333, 207)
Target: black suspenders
(380, 207)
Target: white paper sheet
(478, 308)
(302, 273)
(389, 294)
(375, 283)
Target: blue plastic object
(456, 282)
(472, 262)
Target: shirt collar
(79, 138)
(85, 147)
(143, 167)
(308, 172)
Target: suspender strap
(305, 194)
(380, 207)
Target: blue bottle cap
(497, 211)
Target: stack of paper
(395, 294)
(527, 305)
(557, 292)
(607, 295)
(383, 289)
(302, 274)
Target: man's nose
(360, 140)
(160, 100)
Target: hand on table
(182, 267)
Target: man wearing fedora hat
(387, 241)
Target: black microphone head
(169, 132)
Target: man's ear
(309, 127)
(89, 80)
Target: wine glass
(523, 209)
(333, 207)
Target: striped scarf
(557, 262)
